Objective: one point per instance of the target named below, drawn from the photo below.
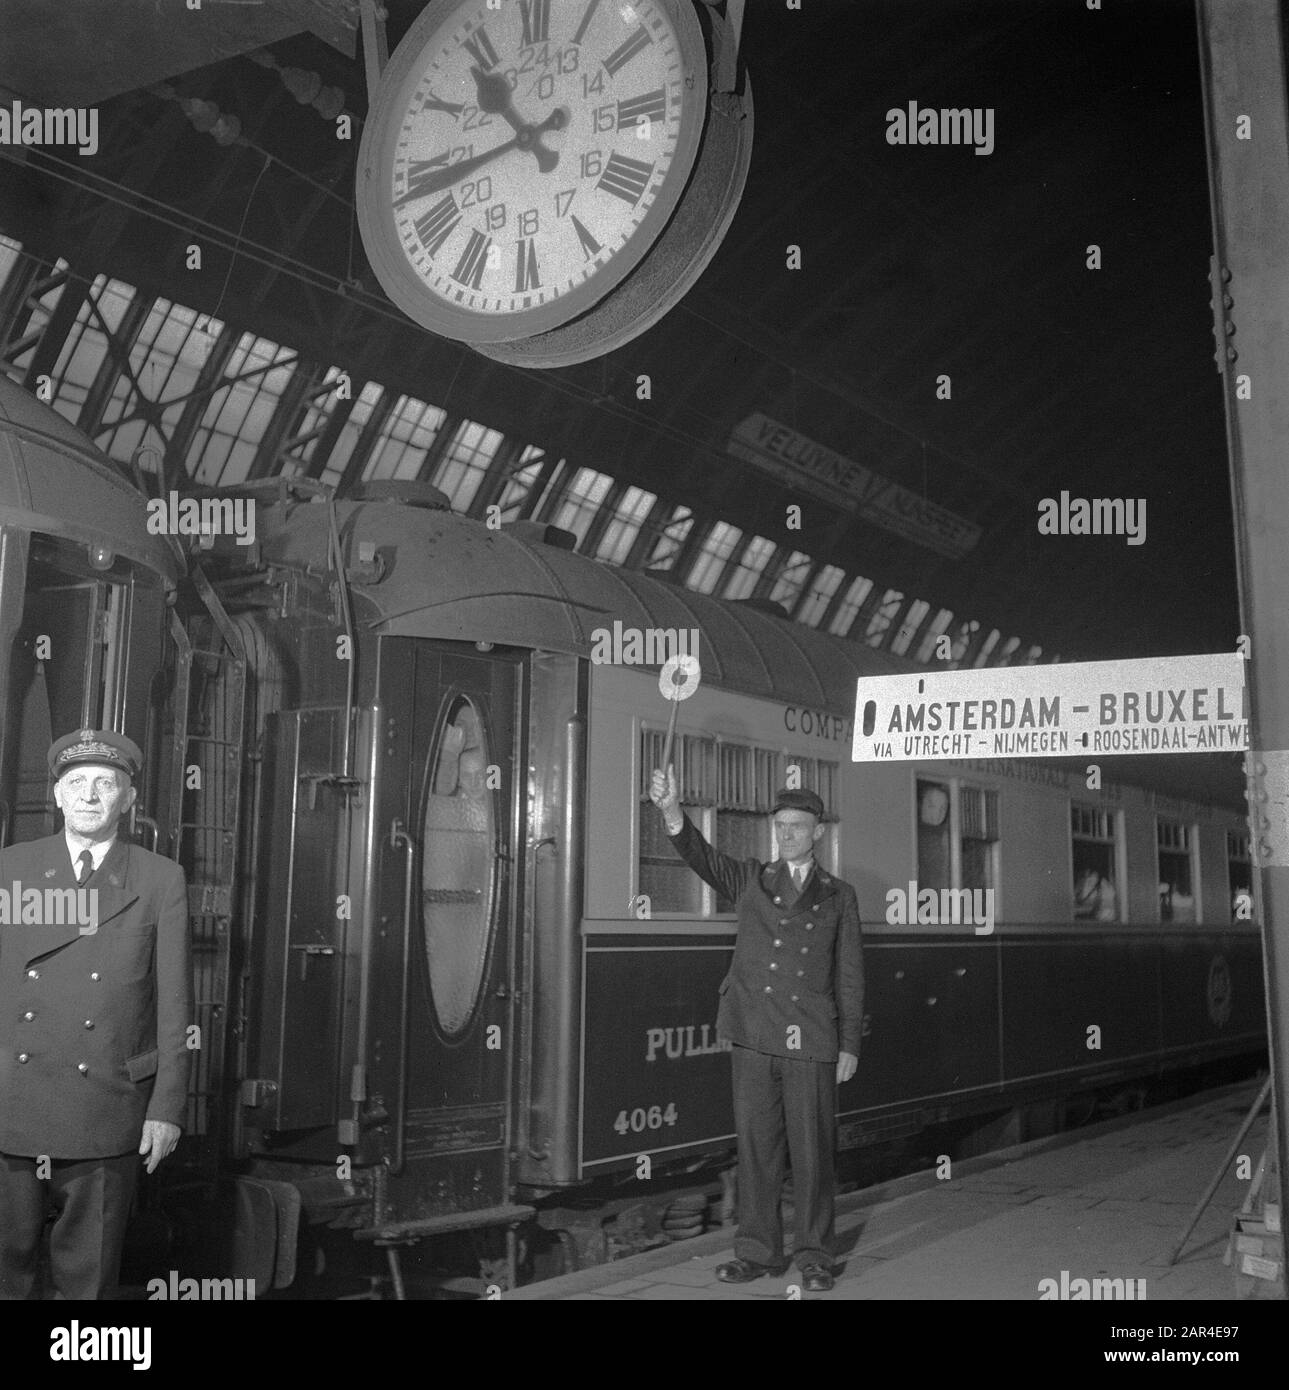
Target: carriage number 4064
(640, 1119)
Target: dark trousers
(784, 1107)
(91, 1201)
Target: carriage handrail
(399, 837)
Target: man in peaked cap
(792, 1008)
(94, 1017)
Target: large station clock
(543, 179)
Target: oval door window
(458, 866)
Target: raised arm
(729, 876)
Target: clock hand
(445, 178)
(492, 94)
(527, 139)
(493, 97)
(546, 159)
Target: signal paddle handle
(671, 734)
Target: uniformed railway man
(792, 1006)
(94, 1061)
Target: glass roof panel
(619, 535)
(848, 608)
(793, 576)
(582, 500)
(825, 585)
(749, 568)
(712, 557)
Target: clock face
(522, 156)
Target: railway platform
(1108, 1201)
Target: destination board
(804, 463)
(1180, 704)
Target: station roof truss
(278, 354)
(184, 398)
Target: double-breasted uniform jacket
(93, 1024)
(798, 961)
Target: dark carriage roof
(455, 579)
(452, 578)
(54, 480)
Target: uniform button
(777, 942)
(794, 998)
(94, 975)
(783, 921)
(769, 989)
(801, 974)
(805, 950)
(24, 1056)
(778, 902)
(82, 1067)
(33, 974)
(28, 1016)
(774, 965)
(89, 1023)
(810, 926)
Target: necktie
(86, 862)
(799, 876)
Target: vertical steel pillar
(14, 547)
(1246, 124)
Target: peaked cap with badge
(799, 799)
(101, 747)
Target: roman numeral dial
(626, 178)
(624, 53)
(435, 226)
(536, 15)
(522, 157)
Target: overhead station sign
(1180, 704)
(801, 462)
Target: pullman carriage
(448, 967)
(471, 971)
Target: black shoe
(816, 1278)
(743, 1271)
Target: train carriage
(448, 968)
(517, 994)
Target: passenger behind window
(1175, 904)
(1094, 897)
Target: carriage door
(450, 761)
(67, 660)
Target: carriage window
(742, 824)
(1093, 838)
(458, 873)
(1176, 872)
(978, 813)
(1239, 870)
(728, 791)
(935, 866)
(61, 675)
(663, 877)
(957, 835)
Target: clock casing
(497, 214)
